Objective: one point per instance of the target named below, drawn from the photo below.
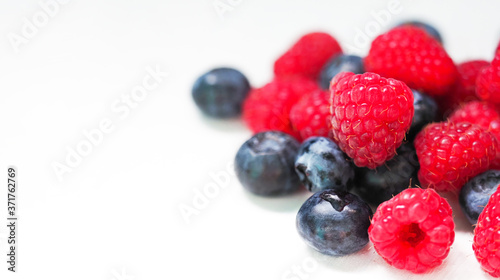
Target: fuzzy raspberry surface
(311, 115)
(464, 89)
(411, 55)
(307, 56)
(486, 245)
(451, 153)
(488, 81)
(485, 115)
(414, 230)
(268, 107)
(370, 116)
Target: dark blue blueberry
(426, 111)
(265, 164)
(340, 63)
(378, 185)
(334, 222)
(322, 165)
(220, 93)
(431, 30)
(475, 194)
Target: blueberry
(334, 222)
(426, 110)
(322, 165)
(378, 185)
(340, 63)
(220, 92)
(475, 194)
(265, 164)
(431, 30)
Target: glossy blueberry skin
(322, 165)
(475, 194)
(431, 30)
(340, 63)
(220, 92)
(381, 184)
(334, 222)
(426, 111)
(265, 164)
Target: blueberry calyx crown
(338, 200)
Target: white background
(116, 215)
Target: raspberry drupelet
(370, 116)
(268, 107)
(488, 82)
(307, 56)
(414, 230)
(451, 153)
(311, 115)
(411, 55)
(487, 236)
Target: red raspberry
(411, 55)
(464, 89)
(311, 115)
(451, 153)
(486, 243)
(480, 113)
(414, 230)
(370, 116)
(488, 81)
(307, 56)
(498, 48)
(486, 116)
(268, 107)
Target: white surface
(117, 213)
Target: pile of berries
(391, 130)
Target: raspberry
(307, 56)
(488, 81)
(370, 116)
(480, 113)
(411, 55)
(498, 48)
(468, 72)
(431, 30)
(311, 115)
(414, 230)
(451, 153)
(268, 107)
(486, 243)
(483, 114)
(464, 89)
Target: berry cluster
(392, 129)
